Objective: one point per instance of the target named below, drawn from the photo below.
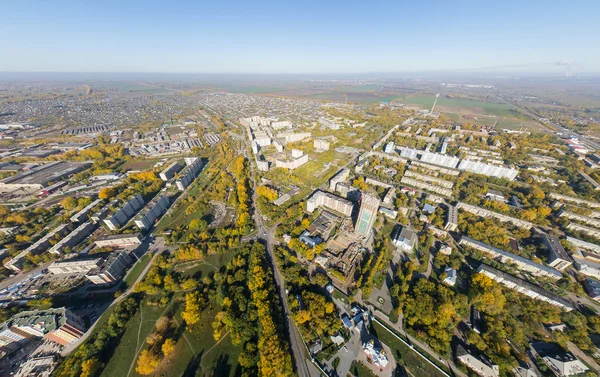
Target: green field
(478, 107)
(405, 355)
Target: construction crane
(434, 102)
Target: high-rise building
(367, 214)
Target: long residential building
(41, 245)
(74, 238)
(571, 199)
(451, 219)
(320, 198)
(120, 240)
(491, 214)
(584, 244)
(111, 270)
(189, 174)
(153, 211)
(524, 287)
(291, 163)
(122, 216)
(339, 177)
(432, 180)
(169, 171)
(488, 169)
(82, 215)
(426, 186)
(74, 266)
(584, 219)
(522, 263)
(585, 229)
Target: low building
(321, 145)
(112, 270)
(450, 276)
(562, 363)
(479, 366)
(404, 238)
(495, 195)
(74, 266)
(59, 325)
(592, 288)
(82, 215)
(375, 354)
(120, 240)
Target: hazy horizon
(299, 38)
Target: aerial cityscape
(197, 201)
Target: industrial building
(524, 287)
(169, 171)
(153, 211)
(74, 238)
(189, 174)
(120, 240)
(74, 266)
(330, 201)
(41, 176)
(126, 212)
(522, 263)
(367, 214)
(112, 270)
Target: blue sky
(294, 37)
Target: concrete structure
(291, 164)
(592, 288)
(367, 215)
(451, 219)
(522, 263)
(189, 174)
(126, 212)
(330, 201)
(120, 240)
(339, 177)
(389, 147)
(82, 215)
(488, 169)
(585, 229)
(329, 124)
(321, 145)
(41, 176)
(74, 238)
(112, 270)
(557, 255)
(277, 125)
(297, 153)
(74, 266)
(450, 276)
(429, 179)
(405, 238)
(426, 186)
(153, 211)
(262, 165)
(495, 195)
(479, 366)
(169, 171)
(291, 137)
(582, 218)
(561, 363)
(39, 366)
(524, 287)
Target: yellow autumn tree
(168, 347)
(89, 367)
(191, 314)
(147, 362)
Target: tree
(68, 203)
(89, 367)
(147, 362)
(107, 193)
(191, 314)
(168, 347)
(486, 295)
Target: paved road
(266, 235)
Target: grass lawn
(138, 164)
(121, 360)
(405, 355)
(135, 272)
(359, 370)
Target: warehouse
(41, 176)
